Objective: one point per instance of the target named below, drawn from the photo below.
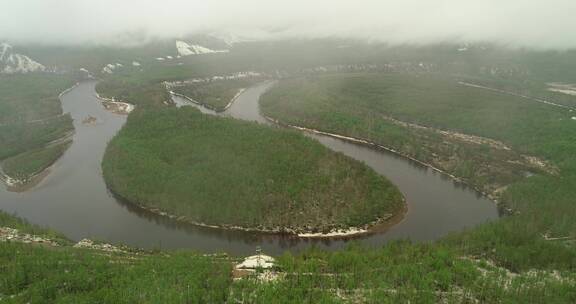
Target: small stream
(73, 199)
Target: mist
(525, 23)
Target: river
(74, 200)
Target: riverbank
(350, 113)
(22, 171)
(216, 94)
(494, 195)
(379, 226)
(117, 107)
(427, 194)
(217, 278)
(208, 106)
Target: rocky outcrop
(8, 234)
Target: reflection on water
(74, 200)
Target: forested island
(227, 173)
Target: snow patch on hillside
(109, 68)
(185, 49)
(11, 63)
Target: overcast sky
(538, 23)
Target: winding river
(73, 199)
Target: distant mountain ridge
(187, 49)
(13, 63)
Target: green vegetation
(356, 105)
(140, 94)
(21, 137)
(221, 171)
(31, 274)
(12, 221)
(398, 272)
(32, 162)
(412, 114)
(30, 119)
(30, 97)
(215, 95)
(529, 257)
(402, 272)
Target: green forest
(224, 172)
(30, 119)
(543, 204)
(399, 272)
(215, 95)
(377, 107)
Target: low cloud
(533, 23)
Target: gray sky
(537, 23)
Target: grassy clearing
(220, 171)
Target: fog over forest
(531, 23)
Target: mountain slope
(12, 63)
(186, 49)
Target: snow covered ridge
(12, 63)
(185, 49)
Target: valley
(407, 173)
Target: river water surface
(73, 198)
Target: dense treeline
(30, 97)
(369, 106)
(398, 272)
(544, 203)
(221, 171)
(32, 162)
(32, 273)
(31, 118)
(534, 250)
(21, 137)
(139, 94)
(402, 272)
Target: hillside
(14, 63)
(40, 266)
